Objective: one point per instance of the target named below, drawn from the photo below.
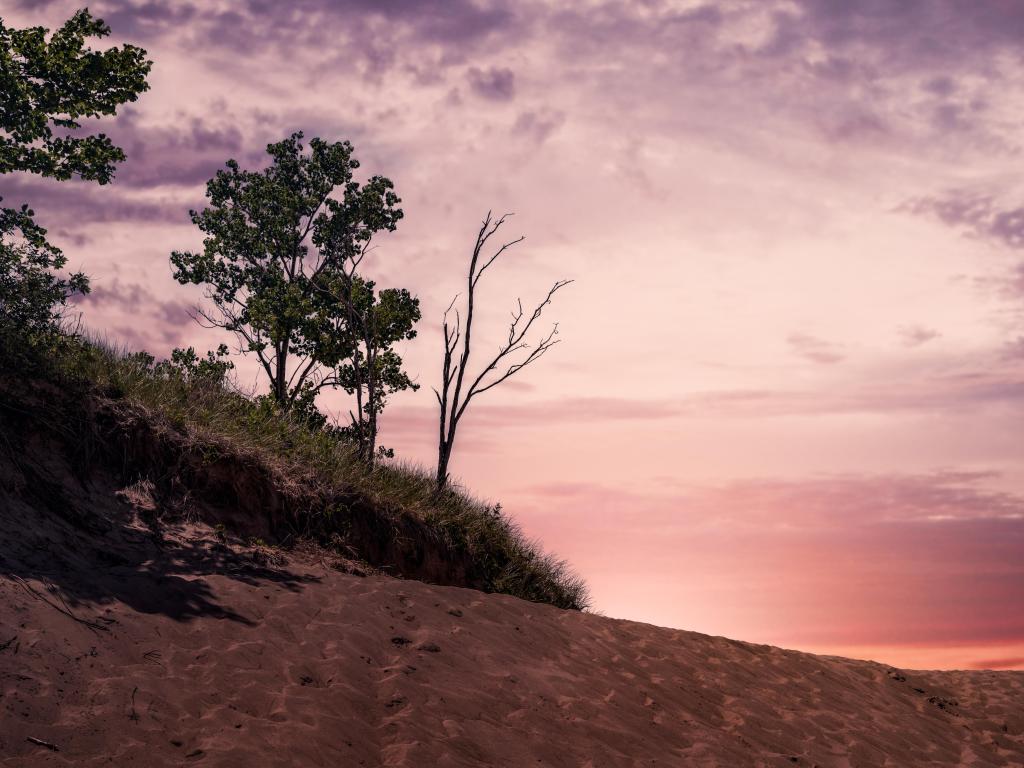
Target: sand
(123, 645)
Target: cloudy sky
(788, 404)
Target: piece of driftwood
(41, 743)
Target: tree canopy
(48, 84)
(278, 260)
(46, 87)
(372, 368)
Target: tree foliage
(54, 84)
(278, 262)
(187, 366)
(32, 297)
(47, 86)
(372, 368)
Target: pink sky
(789, 401)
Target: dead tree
(457, 388)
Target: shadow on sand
(93, 549)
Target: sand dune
(127, 647)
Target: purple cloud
(1008, 286)
(186, 152)
(454, 22)
(917, 34)
(814, 349)
(917, 335)
(156, 323)
(940, 85)
(1015, 349)
(538, 125)
(934, 393)
(72, 204)
(845, 500)
(495, 83)
(976, 215)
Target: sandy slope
(199, 653)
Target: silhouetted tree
(277, 243)
(458, 390)
(46, 87)
(372, 368)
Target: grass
(224, 419)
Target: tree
(458, 390)
(372, 368)
(32, 297)
(46, 88)
(53, 84)
(276, 240)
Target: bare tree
(458, 389)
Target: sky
(788, 401)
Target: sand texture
(125, 644)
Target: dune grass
(221, 415)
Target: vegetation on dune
(281, 264)
(309, 462)
(280, 256)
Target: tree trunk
(358, 420)
(444, 454)
(371, 400)
(281, 378)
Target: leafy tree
(53, 84)
(32, 297)
(46, 87)
(277, 241)
(372, 368)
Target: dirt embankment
(71, 453)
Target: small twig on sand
(134, 716)
(90, 624)
(41, 743)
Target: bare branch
(230, 320)
(491, 260)
(543, 346)
(515, 342)
(296, 384)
